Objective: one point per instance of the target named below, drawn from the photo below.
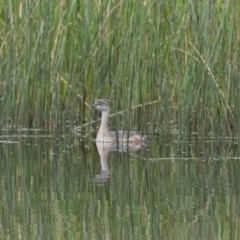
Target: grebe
(104, 135)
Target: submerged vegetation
(178, 60)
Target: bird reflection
(104, 148)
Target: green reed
(56, 58)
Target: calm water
(67, 188)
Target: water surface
(57, 188)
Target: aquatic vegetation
(181, 57)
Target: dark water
(54, 188)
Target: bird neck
(104, 121)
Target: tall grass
(57, 57)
